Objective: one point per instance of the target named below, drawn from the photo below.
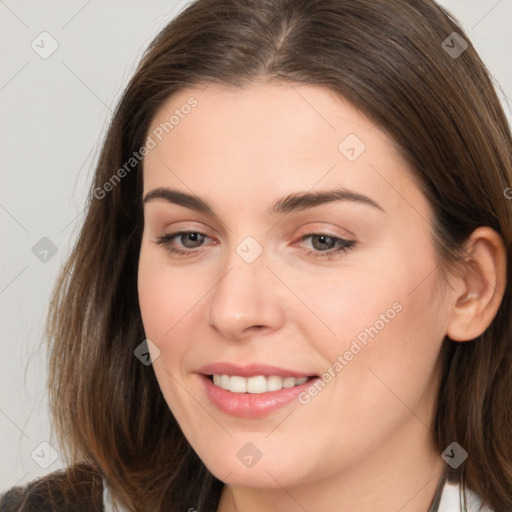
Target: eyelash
(343, 245)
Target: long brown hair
(386, 57)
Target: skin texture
(364, 442)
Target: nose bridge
(244, 295)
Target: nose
(245, 299)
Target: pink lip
(251, 370)
(250, 405)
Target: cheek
(165, 296)
(344, 306)
(388, 322)
(396, 348)
(156, 302)
(164, 300)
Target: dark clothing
(76, 489)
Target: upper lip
(250, 370)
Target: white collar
(108, 503)
(452, 496)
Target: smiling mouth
(257, 384)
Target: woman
(300, 216)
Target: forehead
(272, 135)
(258, 109)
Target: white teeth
(237, 384)
(288, 382)
(256, 385)
(224, 381)
(274, 383)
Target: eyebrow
(290, 203)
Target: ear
(480, 288)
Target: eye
(323, 245)
(327, 246)
(190, 240)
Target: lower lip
(252, 405)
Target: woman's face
(309, 256)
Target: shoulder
(78, 488)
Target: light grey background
(54, 113)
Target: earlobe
(481, 287)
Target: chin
(255, 478)
(270, 472)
